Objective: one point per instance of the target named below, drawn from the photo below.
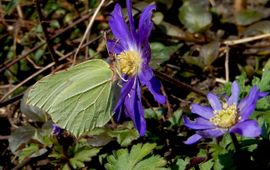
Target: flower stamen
(129, 62)
(225, 118)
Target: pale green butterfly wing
(78, 99)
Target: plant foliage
(135, 159)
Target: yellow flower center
(225, 118)
(129, 62)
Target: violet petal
(193, 139)
(214, 102)
(248, 128)
(235, 94)
(203, 111)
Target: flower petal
(253, 93)
(145, 75)
(235, 94)
(114, 47)
(145, 24)
(203, 111)
(246, 111)
(248, 128)
(198, 124)
(119, 27)
(134, 108)
(248, 104)
(131, 20)
(211, 133)
(124, 92)
(193, 139)
(146, 53)
(263, 94)
(214, 102)
(154, 87)
(56, 130)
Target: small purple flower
(132, 54)
(56, 130)
(231, 116)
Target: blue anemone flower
(56, 130)
(132, 54)
(231, 116)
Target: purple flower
(231, 116)
(56, 130)
(132, 54)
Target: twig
(33, 63)
(88, 29)
(6, 66)
(239, 5)
(13, 99)
(246, 40)
(149, 105)
(26, 80)
(235, 142)
(169, 111)
(4, 137)
(220, 80)
(88, 36)
(46, 34)
(22, 164)
(3, 67)
(19, 10)
(226, 63)
(212, 2)
(177, 82)
(30, 159)
(44, 69)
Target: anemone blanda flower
(132, 54)
(229, 117)
(56, 130)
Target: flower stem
(235, 142)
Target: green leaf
(171, 30)
(181, 164)
(43, 134)
(12, 4)
(161, 53)
(157, 18)
(262, 27)
(263, 104)
(248, 16)
(82, 155)
(134, 160)
(176, 118)
(264, 122)
(225, 161)
(264, 84)
(32, 150)
(154, 113)
(78, 99)
(20, 136)
(222, 153)
(206, 165)
(99, 140)
(55, 24)
(125, 136)
(57, 152)
(209, 52)
(194, 16)
(197, 61)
